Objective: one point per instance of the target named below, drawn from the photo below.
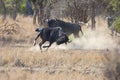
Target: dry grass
(63, 65)
(21, 30)
(51, 65)
(19, 60)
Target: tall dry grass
(83, 59)
(63, 64)
(18, 31)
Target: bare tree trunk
(29, 10)
(76, 12)
(85, 17)
(40, 15)
(47, 12)
(14, 13)
(71, 13)
(35, 14)
(93, 16)
(4, 7)
(38, 11)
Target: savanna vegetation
(76, 10)
(93, 56)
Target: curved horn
(47, 20)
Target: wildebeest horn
(46, 20)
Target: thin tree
(15, 9)
(93, 15)
(4, 7)
(42, 10)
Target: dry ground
(22, 64)
(20, 60)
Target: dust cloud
(97, 39)
(100, 39)
(90, 40)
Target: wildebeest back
(67, 27)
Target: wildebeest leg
(36, 39)
(40, 44)
(76, 35)
(66, 43)
(50, 41)
(48, 45)
(81, 31)
(35, 15)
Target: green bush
(22, 7)
(117, 25)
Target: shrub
(117, 25)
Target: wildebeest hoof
(65, 43)
(44, 46)
(34, 44)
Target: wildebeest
(67, 27)
(52, 35)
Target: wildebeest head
(51, 22)
(62, 39)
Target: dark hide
(67, 27)
(52, 35)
